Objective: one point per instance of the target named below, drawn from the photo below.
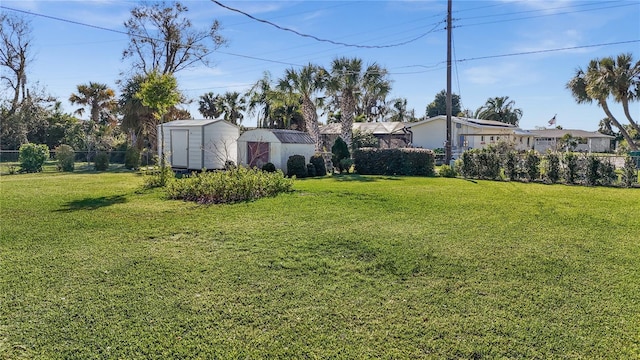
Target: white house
(260, 146)
(392, 134)
(589, 141)
(467, 134)
(198, 144)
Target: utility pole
(447, 145)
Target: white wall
(220, 144)
(306, 150)
(430, 135)
(258, 135)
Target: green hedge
(370, 161)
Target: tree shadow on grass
(93, 203)
(352, 177)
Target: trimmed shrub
(488, 164)
(235, 185)
(66, 157)
(269, 167)
(340, 151)
(318, 162)
(369, 161)
(591, 170)
(468, 168)
(311, 170)
(511, 165)
(296, 166)
(32, 157)
(571, 168)
(346, 164)
(607, 173)
(132, 158)
(447, 171)
(101, 161)
(629, 172)
(532, 165)
(552, 169)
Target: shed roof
(292, 136)
(558, 133)
(194, 122)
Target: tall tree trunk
(623, 131)
(347, 108)
(625, 106)
(311, 121)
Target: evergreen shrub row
(371, 161)
(551, 168)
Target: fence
(115, 156)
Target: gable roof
(465, 121)
(292, 136)
(558, 133)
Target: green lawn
(345, 267)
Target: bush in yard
(571, 168)
(32, 157)
(311, 170)
(511, 165)
(532, 165)
(591, 170)
(629, 172)
(158, 177)
(132, 158)
(553, 167)
(468, 168)
(66, 157)
(447, 171)
(488, 164)
(296, 165)
(101, 161)
(607, 173)
(340, 151)
(370, 161)
(269, 167)
(235, 185)
(318, 162)
(345, 165)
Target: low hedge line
(230, 186)
(371, 161)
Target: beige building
(587, 141)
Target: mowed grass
(344, 267)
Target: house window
(482, 138)
(520, 139)
(491, 138)
(498, 138)
(528, 141)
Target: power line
(321, 39)
(544, 15)
(549, 50)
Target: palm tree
(623, 76)
(348, 84)
(233, 104)
(259, 100)
(593, 85)
(307, 82)
(210, 105)
(99, 98)
(372, 103)
(499, 109)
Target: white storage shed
(199, 144)
(260, 146)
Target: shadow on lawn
(93, 203)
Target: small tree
(532, 163)
(32, 157)
(340, 151)
(553, 167)
(159, 92)
(629, 172)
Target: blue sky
(68, 54)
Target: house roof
(376, 128)
(558, 133)
(292, 136)
(465, 121)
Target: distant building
(389, 134)
(587, 141)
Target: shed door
(180, 148)
(257, 154)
